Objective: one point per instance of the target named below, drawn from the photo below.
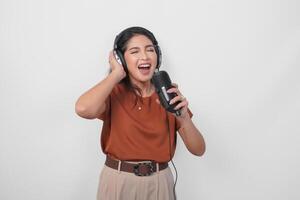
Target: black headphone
(136, 30)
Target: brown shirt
(145, 131)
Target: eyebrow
(150, 45)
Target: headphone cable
(174, 191)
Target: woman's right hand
(116, 67)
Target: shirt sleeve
(106, 112)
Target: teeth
(144, 65)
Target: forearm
(192, 137)
(92, 103)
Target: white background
(237, 62)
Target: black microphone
(162, 83)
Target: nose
(144, 55)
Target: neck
(145, 87)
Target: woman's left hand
(183, 103)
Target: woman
(138, 134)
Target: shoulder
(120, 88)
(121, 92)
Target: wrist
(117, 77)
(184, 119)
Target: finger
(175, 85)
(175, 99)
(110, 57)
(181, 105)
(111, 53)
(172, 90)
(157, 101)
(183, 98)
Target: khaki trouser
(119, 185)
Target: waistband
(139, 168)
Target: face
(141, 58)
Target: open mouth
(144, 68)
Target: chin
(148, 78)
(145, 79)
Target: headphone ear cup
(120, 55)
(159, 56)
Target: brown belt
(139, 169)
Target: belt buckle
(143, 169)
